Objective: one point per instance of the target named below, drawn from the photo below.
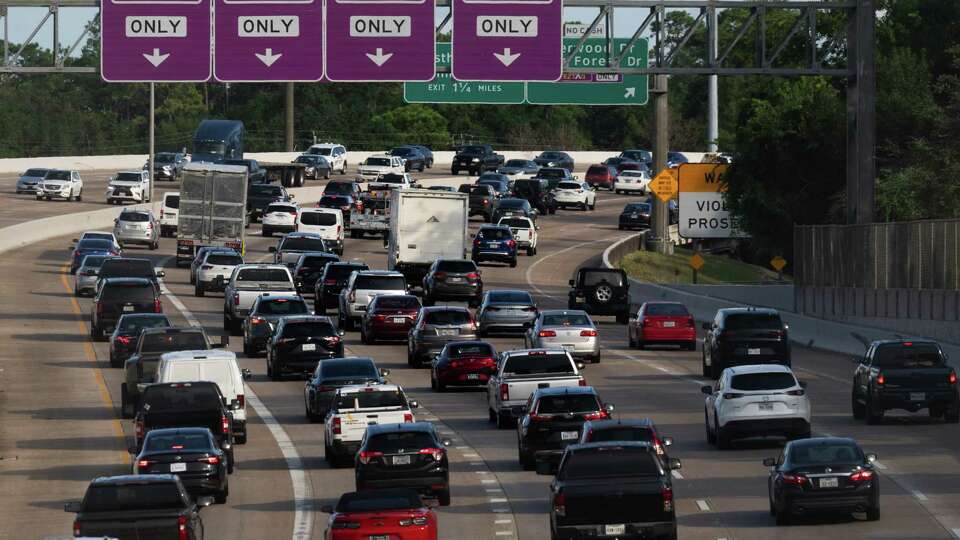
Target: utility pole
(658, 240)
(861, 113)
(713, 106)
(150, 135)
(291, 143)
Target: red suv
(389, 317)
(601, 176)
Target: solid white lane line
(488, 481)
(501, 510)
(498, 500)
(956, 532)
(702, 505)
(919, 495)
(879, 465)
(504, 533)
(476, 464)
(302, 489)
(529, 273)
(471, 455)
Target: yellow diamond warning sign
(697, 262)
(778, 263)
(664, 185)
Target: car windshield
(537, 364)
(596, 277)
(621, 433)
(401, 152)
(133, 325)
(639, 208)
(139, 217)
(511, 297)
(163, 158)
(281, 306)
(516, 223)
(915, 355)
(147, 496)
(609, 462)
(187, 442)
(224, 259)
(401, 441)
(380, 283)
(512, 204)
(302, 243)
(178, 341)
(321, 219)
(379, 500)
(335, 201)
(171, 201)
(482, 189)
(265, 190)
(340, 271)
(308, 329)
(552, 173)
(338, 188)
(341, 370)
(470, 349)
(209, 147)
(666, 310)
(597, 170)
(35, 172)
(370, 399)
(568, 185)
(552, 155)
(95, 245)
(57, 175)
(494, 234)
(753, 321)
(515, 163)
(309, 160)
(129, 177)
(763, 381)
(447, 317)
(566, 319)
(263, 274)
(457, 266)
(397, 302)
(140, 293)
(577, 403)
(321, 151)
(181, 397)
(377, 162)
(824, 454)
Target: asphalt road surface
(60, 427)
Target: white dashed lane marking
(702, 505)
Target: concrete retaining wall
(774, 295)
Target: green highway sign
(443, 89)
(597, 88)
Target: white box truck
(213, 208)
(425, 226)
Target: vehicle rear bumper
(506, 256)
(135, 238)
(505, 323)
(759, 427)
(203, 484)
(450, 291)
(672, 335)
(280, 228)
(390, 331)
(655, 529)
(798, 503)
(901, 399)
(345, 448)
(304, 364)
(460, 376)
(613, 307)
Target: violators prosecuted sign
(703, 212)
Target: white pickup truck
(520, 373)
(352, 409)
(375, 217)
(247, 282)
(378, 165)
(524, 232)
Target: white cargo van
(216, 366)
(327, 222)
(426, 226)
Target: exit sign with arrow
(598, 88)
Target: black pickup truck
(259, 196)
(475, 159)
(612, 489)
(187, 404)
(904, 374)
(134, 507)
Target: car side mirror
(570, 282)
(74, 240)
(132, 450)
(674, 464)
(161, 273)
(856, 359)
(272, 249)
(384, 372)
(414, 404)
(327, 509)
(609, 408)
(705, 326)
(544, 468)
(247, 374)
(769, 462)
(341, 333)
(204, 502)
(446, 442)
(73, 507)
(668, 441)
(580, 365)
(706, 389)
(235, 405)
(871, 458)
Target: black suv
(301, 342)
(538, 192)
(404, 455)
(740, 336)
(482, 198)
(309, 270)
(327, 289)
(601, 291)
(453, 279)
(118, 296)
(554, 419)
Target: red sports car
(394, 514)
(463, 363)
(389, 317)
(662, 323)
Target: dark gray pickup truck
(154, 506)
(475, 159)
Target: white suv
(336, 154)
(353, 408)
(378, 165)
(576, 193)
(756, 401)
(60, 184)
(361, 287)
(129, 186)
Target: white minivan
(169, 213)
(327, 222)
(215, 365)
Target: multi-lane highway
(60, 427)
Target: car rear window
(397, 302)
(470, 349)
(609, 462)
(338, 188)
(283, 208)
(265, 190)
(622, 433)
(577, 403)
(391, 179)
(128, 292)
(309, 329)
(178, 341)
(666, 310)
(196, 441)
(457, 266)
(570, 319)
(515, 163)
(518, 297)
(447, 317)
(300, 243)
(763, 381)
(172, 201)
(224, 259)
(916, 355)
(536, 364)
(360, 368)
(339, 271)
(133, 325)
(408, 441)
(317, 262)
(334, 201)
(516, 223)
(181, 396)
(640, 208)
(282, 306)
(597, 170)
(93, 261)
(592, 278)
(366, 501)
(817, 454)
(263, 274)
(151, 496)
(380, 283)
(122, 267)
(568, 185)
(324, 219)
(138, 217)
(57, 175)
(377, 162)
(95, 244)
(512, 203)
(552, 173)
(372, 399)
(495, 234)
(753, 321)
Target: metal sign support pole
(152, 142)
(659, 238)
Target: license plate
(829, 483)
(917, 396)
(634, 216)
(379, 537)
(569, 435)
(473, 376)
(580, 299)
(669, 324)
(494, 244)
(448, 332)
(568, 347)
(614, 530)
(399, 320)
(456, 280)
(308, 347)
(401, 460)
(753, 351)
(766, 406)
(129, 308)
(178, 467)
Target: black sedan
(413, 158)
(123, 341)
(824, 474)
(562, 160)
(409, 455)
(635, 216)
(300, 342)
(190, 453)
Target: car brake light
(732, 395)
(366, 456)
(560, 504)
(407, 417)
(329, 282)
(241, 400)
(212, 460)
(344, 524)
(666, 492)
(336, 426)
(157, 306)
(440, 276)
(486, 201)
(647, 323)
(125, 340)
(224, 424)
(547, 333)
(504, 392)
(540, 418)
(952, 378)
(236, 298)
(881, 380)
(143, 463)
(795, 479)
(583, 382)
(473, 275)
(76, 253)
(599, 415)
(257, 320)
(862, 475)
(437, 453)
(690, 323)
(76, 528)
(658, 445)
(588, 333)
(511, 243)
(182, 528)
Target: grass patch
(675, 269)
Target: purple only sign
(268, 41)
(380, 40)
(507, 40)
(155, 41)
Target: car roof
(611, 424)
(306, 318)
(130, 171)
(759, 368)
(127, 281)
(816, 441)
(527, 352)
(359, 388)
(201, 354)
(389, 273)
(422, 427)
(319, 210)
(566, 390)
(922, 341)
(177, 430)
(325, 145)
(174, 330)
(244, 266)
(610, 444)
(143, 316)
(132, 479)
(299, 234)
(562, 312)
(347, 360)
(740, 310)
(436, 309)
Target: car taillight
(582, 382)
(540, 418)
(257, 320)
(292, 213)
(157, 306)
(436, 453)
(795, 479)
(647, 323)
(599, 415)
(547, 333)
(658, 445)
(236, 298)
(476, 241)
(344, 524)
(99, 308)
(666, 492)
(182, 533)
(224, 424)
(440, 276)
(149, 226)
(337, 429)
(332, 339)
(414, 521)
(690, 323)
(366, 456)
(407, 417)
(732, 395)
(797, 392)
(486, 201)
(338, 230)
(952, 378)
(560, 504)
(161, 213)
(359, 206)
(124, 340)
(588, 333)
(76, 528)
(143, 464)
(76, 253)
(473, 275)
(504, 392)
(241, 400)
(862, 475)
(329, 282)
(511, 243)
(881, 380)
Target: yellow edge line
(91, 355)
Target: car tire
(706, 372)
(873, 417)
(410, 358)
(126, 408)
(640, 345)
(247, 350)
(491, 415)
(858, 409)
(952, 416)
(723, 437)
(198, 291)
(503, 421)
(443, 498)
(312, 417)
(873, 513)
(552, 210)
(221, 496)
(326, 175)
(231, 462)
(782, 516)
(595, 359)
(236, 327)
(274, 373)
(692, 346)
(715, 370)
(623, 318)
(711, 436)
(454, 171)
(527, 463)
(513, 263)
(266, 232)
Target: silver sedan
(503, 311)
(569, 329)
